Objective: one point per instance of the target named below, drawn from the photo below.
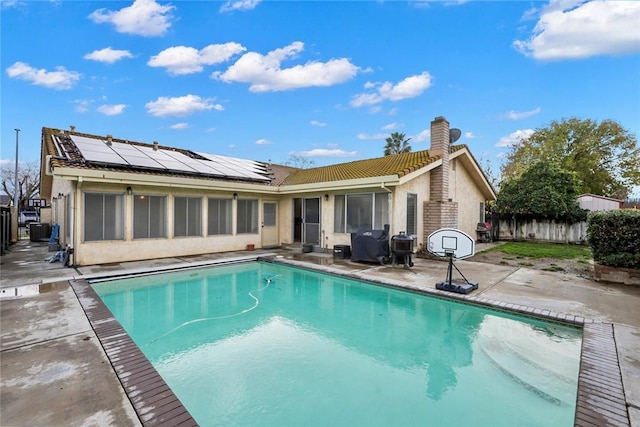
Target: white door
(270, 225)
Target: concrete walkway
(54, 371)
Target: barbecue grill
(402, 249)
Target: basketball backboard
(451, 242)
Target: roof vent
(155, 145)
(109, 140)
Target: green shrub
(614, 237)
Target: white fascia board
(416, 173)
(351, 184)
(476, 170)
(90, 175)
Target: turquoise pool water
(261, 344)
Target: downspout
(74, 221)
(389, 203)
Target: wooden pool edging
(600, 398)
(152, 399)
(600, 395)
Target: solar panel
(240, 168)
(135, 157)
(97, 150)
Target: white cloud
(82, 105)
(263, 142)
(366, 136)
(112, 110)
(264, 72)
(410, 87)
(180, 106)
(144, 17)
(517, 115)
(514, 138)
(577, 29)
(187, 60)
(317, 123)
(108, 55)
(179, 126)
(323, 152)
(232, 5)
(470, 135)
(59, 79)
(391, 126)
(422, 136)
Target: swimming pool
(267, 344)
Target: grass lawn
(544, 250)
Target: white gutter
(129, 179)
(350, 184)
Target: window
(412, 214)
(247, 216)
(355, 211)
(482, 213)
(149, 216)
(103, 217)
(219, 216)
(187, 216)
(269, 215)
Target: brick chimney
(440, 147)
(439, 211)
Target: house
(599, 203)
(117, 200)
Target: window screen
(187, 214)
(219, 216)
(355, 211)
(412, 214)
(149, 216)
(103, 217)
(247, 216)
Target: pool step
(546, 380)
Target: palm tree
(397, 144)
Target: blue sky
(327, 80)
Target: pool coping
(600, 395)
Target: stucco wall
(419, 186)
(464, 191)
(129, 249)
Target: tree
(397, 144)
(487, 168)
(300, 162)
(543, 190)
(604, 156)
(28, 181)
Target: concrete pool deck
(54, 371)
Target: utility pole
(15, 212)
(15, 185)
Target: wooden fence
(539, 230)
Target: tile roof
(65, 153)
(397, 164)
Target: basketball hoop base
(457, 286)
